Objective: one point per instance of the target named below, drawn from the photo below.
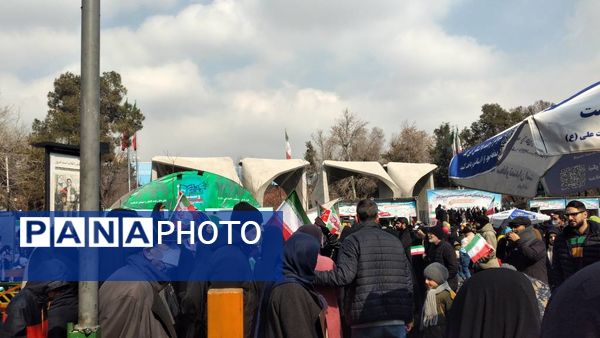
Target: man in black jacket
(373, 268)
(577, 246)
(524, 250)
(439, 250)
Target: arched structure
(413, 179)
(333, 171)
(164, 165)
(258, 174)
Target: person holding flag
(486, 230)
(375, 274)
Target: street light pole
(90, 161)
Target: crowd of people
(377, 279)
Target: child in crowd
(437, 302)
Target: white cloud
(224, 78)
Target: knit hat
(519, 221)
(436, 272)
(438, 231)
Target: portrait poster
(64, 182)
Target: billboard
(461, 199)
(64, 182)
(547, 204)
(406, 209)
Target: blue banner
(137, 246)
(480, 158)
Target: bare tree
(23, 182)
(346, 133)
(410, 145)
(113, 182)
(349, 139)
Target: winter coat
(134, 309)
(444, 303)
(488, 233)
(564, 264)
(26, 314)
(527, 255)
(373, 268)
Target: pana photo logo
(128, 232)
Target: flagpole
(128, 171)
(137, 167)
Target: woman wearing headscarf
(494, 303)
(332, 313)
(574, 309)
(295, 308)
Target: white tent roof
(258, 173)
(372, 169)
(406, 175)
(217, 165)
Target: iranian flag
(478, 248)
(330, 217)
(293, 215)
(491, 210)
(183, 204)
(416, 250)
(288, 148)
(185, 212)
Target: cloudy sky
(225, 77)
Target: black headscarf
(495, 303)
(312, 230)
(300, 259)
(574, 309)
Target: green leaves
(117, 116)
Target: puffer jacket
(564, 265)
(374, 269)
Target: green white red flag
(288, 148)
(293, 214)
(416, 250)
(331, 218)
(183, 204)
(478, 248)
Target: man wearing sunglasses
(578, 245)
